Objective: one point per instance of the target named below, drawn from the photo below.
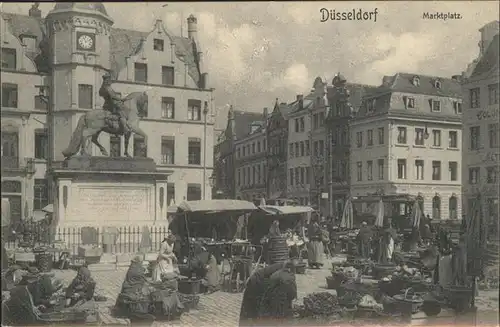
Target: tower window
(158, 44)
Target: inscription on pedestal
(113, 203)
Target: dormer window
(29, 41)
(158, 44)
(437, 84)
(436, 105)
(370, 105)
(416, 81)
(457, 106)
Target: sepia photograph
(237, 164)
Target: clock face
(85, 42)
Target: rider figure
(113, 102)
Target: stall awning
(48, 208)
(39, 215)
(286, 210)
(216, 206)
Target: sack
(325, 236)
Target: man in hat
(113, 102)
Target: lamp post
(205, 114)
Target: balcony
(20, 165)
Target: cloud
(295, 78)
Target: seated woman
(204, 266)
(81, 288)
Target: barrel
(277, 250)
(44, 262)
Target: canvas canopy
(286, 210)
(211, 206)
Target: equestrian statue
(118, 116)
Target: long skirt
(315, 252)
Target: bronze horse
(91, 124)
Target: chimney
(488, 32)
(192, 23)
(265, 112)
(34, 11)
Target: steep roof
(123, 42)
(357, 92)
(403, 82)
(90, 6)
(490, 58)
(243, 122)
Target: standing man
(364, 239)
(113, 102)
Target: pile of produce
(323, 304)
(368, 302)
(349, 299)
(349, 272)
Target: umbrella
(379, 221)
(347, 215)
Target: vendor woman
(315, 248)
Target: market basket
(459, 297)
(409, 302)
(335, 280)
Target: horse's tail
(76, 139)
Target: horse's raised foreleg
(126, 142)
(95, 140)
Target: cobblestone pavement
(221, 308)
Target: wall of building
(298, 164)
(251, 166)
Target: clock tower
(79, 36)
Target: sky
(256, 52)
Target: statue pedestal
(103, 192)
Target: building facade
(344, 100)
(299, 150)
(251, 162)
(407, 140)
(481, 143)
(51, 72)
(239, 125)
(277, 146)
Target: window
(453, 170)
(491, 175)
(302, 150)
(9, 59)
(297, 176)
(493, 93)
(369, 136)
(194, 152)
(85, 96)
(258, 146)
(308, 149)
(475, 138)
(359, 171)
(9, 95)
(290, 173)
(416, 81)
(402, 135)
(452, 139)
(41, 144)
(290, 150)
(194, 110)
(370, 105)
(359, 139)
(158, 44)
(436, 207)
(474, 175)
(253, 148)
(436, 170)
(453, 206)
(334, 137)
(193, 192)
(10, 146)
(419, 136)
(140, 147)
(457, 107)
(380, 163)
(168, 150)
(141, 72)
(402, 168)
(437, 84)
(493, 135)
(115, 144)
(369, 167)
(41, 194)
(474, 97)
(170, 194)
(40, 104)
(297, 126)
(321, 147)
(436, 137)
(302, 125)
(297, 149)
(436, 105)
(419, 170)
(410, 103)
(167, 75)
(167, 108)
(381, 135)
